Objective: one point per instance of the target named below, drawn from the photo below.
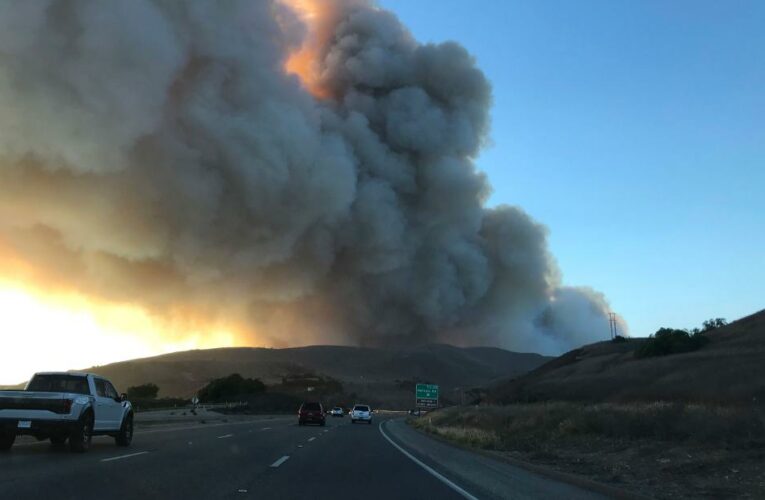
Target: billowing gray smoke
(158, 153)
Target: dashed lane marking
(191, 427)
(311, 439)
(124, 456)
(280, 461)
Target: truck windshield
(59, 383)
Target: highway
(268, 457)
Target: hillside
(386, 375)
(730, 369)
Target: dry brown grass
(660, 449)
(513, 425)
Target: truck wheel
(57, 440)
(79, 440)
(6, 441)
(125, 437)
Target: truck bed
(54, 402)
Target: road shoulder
(485, 476)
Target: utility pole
(612, 325)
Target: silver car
(361, 413)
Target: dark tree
(713, 323)
(145, 391)
(671, 341)
(230, 387)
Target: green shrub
(671, 341)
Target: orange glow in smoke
(319, 17)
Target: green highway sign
(427, 395)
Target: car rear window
(59, 383)
(312, 406)
(361, 408)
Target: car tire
(125, 436)
(79, 440)
(369, 422)
(57, 440)
(6, 440)
(323, 423)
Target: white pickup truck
(61, 406)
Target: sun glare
(60, 333)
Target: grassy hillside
(729, 369)
(384, 375)
(684, 425)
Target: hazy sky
(635, 131)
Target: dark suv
(311, 413)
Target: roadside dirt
(656, 469)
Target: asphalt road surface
(268, 457)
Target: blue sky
(635, 131)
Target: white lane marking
(124, 456)
(280, 461)
(265, 429)
(225, 436)
(433, 472)
(311, 439)
(326, 430)
(242, 491)
(300, 446)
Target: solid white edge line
(432, 471)
(124, 456)
(280, 461)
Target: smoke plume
(165, 154)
